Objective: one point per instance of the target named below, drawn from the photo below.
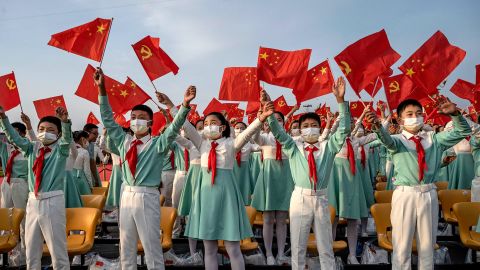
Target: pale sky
(205, 36)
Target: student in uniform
(81, 168)
(416, 155)
(311, 162)
(140, 202)
(241, 167)
(218, 210)
(92, 131)
(45, 214)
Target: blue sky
(203, 37)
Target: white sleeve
(245, 136)
(86, 167)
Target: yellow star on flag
(410, 72)
(101, 28)
(124, 93)
(323, 70)
(264, 56)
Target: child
(81, 167)
(311, 162)
(45, 214)
(140, 202)
(416, 156)
(241, 167)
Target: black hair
(223, 121)
(89, 127)
(77, 135)
(407, 102)
(293, 122)
(309, 115)
(144, 108)
(52, 120)
(281, 115)
(240, 122)
(394, 121)
(198, 121)
(22, 129)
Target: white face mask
(211, 132)
(47, 138)
(310, 134)
(238, 131)
(139, 126)
(414, 124)
(295, 132)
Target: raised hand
(2, 113)
(98, 77)
(447, 107)
(62, 114)
(372, 118)
(338, 89)
(268, 109)
(26, 120)
(190, 94)
(264, 97)
(164, 99)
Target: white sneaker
(283, 260)
(352, 260)
(271, 260)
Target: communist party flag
(154, 60)
(374, 86)
(236, 112)
(88, 40)
(251, 117)
(397, 89)
(121, 120)
(215, 106)
(323, 110)
(47, 106)
(159, 121)
(135, 94)
(9, 97)
(317, 81)
(281, 105)
(118, 94)
(366, 59)
(92, 119)
(357, 107)
(240, 84)
(282, 68)
(432, 62)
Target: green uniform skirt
(461, 172)
(256, 164)
(82, 182)
(274, 186)
(366, 178)
(190, 186)
(217, 211)
(72, 194)
(242, 177)
(115, 187)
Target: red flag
(236, 113)
(366, 59)
(194, 117)
(253, 107)
(251, 118)
(476, 103)
(91, 119)
(317, 81)
(159, 122)
(117, 93)
(473, 113)
(282, 68)
(397, 89)
(215, 106)
(432, 62)
(240, 84)
(477, 77)
(372, 88)
(281, 105)
(135, 94)
(323, 110)
(357, 107)
(88, 40)
(154, 60)
(9, 97)
(121, 120)
(464, 89)
(47, 106)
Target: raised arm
(12, 135)
(461, 129)
(66, 140)
(360, 120)
(30, 133)
(246, 135)
(382, 134)
(336, 141)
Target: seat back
(251, 213)
(82, 219)
(383, 196)
(381, 215)
(381, 186)
(94, 201)
(450, 197)
(333, 213)
(467, 214)
(162, 200)
(10, 219)
(105, 184)
(100, 191)
(168, 216)
(441, 185)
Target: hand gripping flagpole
(106, 43)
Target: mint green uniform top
(475, 143)
(404, 154)
(324, 156)
(167, 164)
(150, 160)
(53, 174)
(179, 156)
(20, 163)
(4, 154)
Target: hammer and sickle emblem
(11, 84)
(354, 105)
(145, 52)
(345, 67)
(394, 87)
(281, 103)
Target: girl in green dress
(81, 168)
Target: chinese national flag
(282, 68)
(356, 108)
(476, 102)
(372, 89)
(363, 61)
(9, 97)
(158, 123)
(477, 76)
(215, 106)
(397, 89)
(281, 105)
(154, 60)
(323, 110)
(194, 117)
(88, 40)
(464, 89)
(91, 119)
(317, 81)
(117, 93)
(236, 112)
(47, 106)
(240, 84)
(253, 107)
(136, 95)
(473, 113)
(121, 120)
(432, 62)
(193, 111)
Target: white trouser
(167, 186)
(306, 207)
(45, 220)
(178, 182)
(140, 218)
(414, 214)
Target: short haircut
(309, 115)
(21, 127)
(89, 127)
(77, 135)
(223, 121)
(281, 115)
(407, 102)
(144, 108)
(52, 120)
